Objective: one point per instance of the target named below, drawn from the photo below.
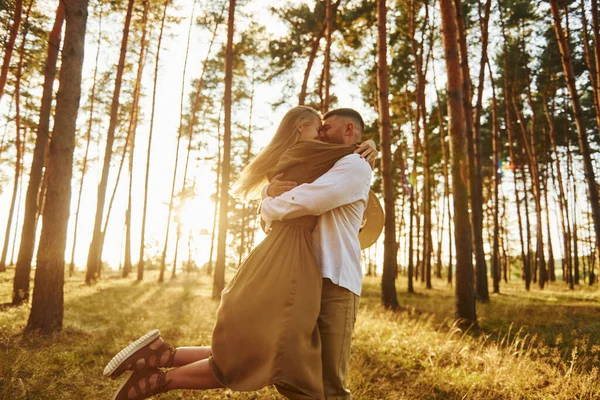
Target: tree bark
(390, 263)
(329, 16)
(94, 261)
(474, 163)
(10, 44)
(209, 267)
(18, 141)
(27, 244)
(140, 271)
(584, 146)
(163, 258)
(464, 293)
(47, 306)
(133, 124)
(219, 278)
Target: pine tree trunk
(592, 66)
(311, 59)
(529, 146)
(464, 293)
(217, 198)
(474, 163)
(596, 36)
(584, 146)
(445, 163)
(94, 260)
(390, 263)
(219, 278)
(180, 132)
(27, 243)
(10, 44)
(421, 123)
(329, 16)
(133, 123)
(18, 140)
(47, 305)
(140, 272)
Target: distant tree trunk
(177, 238)
(18, 141)
(47, 306)
(562, 199)
(219, 278)
(513, 160)
(412, 203)
(528, 268)
(209, 267)
(133, 124)
(417, 51)
(551, 262)
(311, 59)
(27, 243)
(584, 146)
(596, 36)
(94, 261)
(497, 176)
(87, 148)
(10, 44)
(529, 146)
(445, 163)
(591, 64)
(464, 293)
(390, 264)
(474, 163)
(140, 275)
(329, 17)
(180, 133)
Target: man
(339, 197)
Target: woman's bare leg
(188, 355)
(197, 375)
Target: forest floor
(529, 345)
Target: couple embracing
(287, 316)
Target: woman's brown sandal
(145, 352)
(140, 382)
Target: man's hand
(277, 187)
(368, 151)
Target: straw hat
(372, 223)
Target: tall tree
(180, 132)
(584, 146)
(88, 141)
(27, 244)
(464, 292)
(133, 124)
(47, 305)
(10, 44)
(140, 272)
(390, 262)
(94, 260)
(474, 164)
(219, 278)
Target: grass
(530, 345)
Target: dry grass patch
(538, 345)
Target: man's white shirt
(339, 198)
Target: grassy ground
(536, 345)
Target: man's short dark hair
(347, 112)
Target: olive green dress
(266, 331)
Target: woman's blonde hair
(254, 176)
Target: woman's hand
(368, 151)
(278, 187)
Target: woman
(266, 331)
